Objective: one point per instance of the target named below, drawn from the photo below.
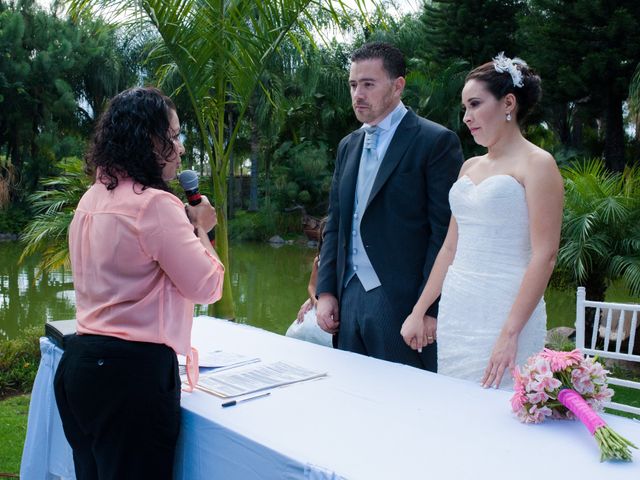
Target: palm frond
(220, 49)
(600, 231)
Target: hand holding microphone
(200, 212)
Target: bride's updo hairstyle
(504, 75)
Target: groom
(388, 214)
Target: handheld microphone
(189, 182)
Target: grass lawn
(13, 428)
(627, 396)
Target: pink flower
(538, 413)
(581, 380)
(561, 360)
(519, 398)
(550, 384)
(537, 397)
(603, 395)
(542, 366)
(538, 382)
(557, 384)
(518, 401)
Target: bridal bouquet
(568, 385)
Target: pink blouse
(137, 267)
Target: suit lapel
(350, 177)
(401, 140)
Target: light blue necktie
(368, 163)
(371, 140)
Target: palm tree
(434, 92)
(600, 239)
(220, 49)
(46, 233)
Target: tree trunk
(576, 128)
(223, 308)
(614, 134)
(231, 175)
(560, 119)
(255, 150)
(203, 158)
(230, 187)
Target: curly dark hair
(392, 58)
(500, 84)
(123, 141)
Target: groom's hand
(327, 313)
(430, 328)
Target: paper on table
(219, 359)
(254, 378)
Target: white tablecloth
(368, 419)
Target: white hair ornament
(504, 64)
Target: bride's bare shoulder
(540, 166)
(469, 163)
(538, 157)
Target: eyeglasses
(193, 370)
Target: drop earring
(508, 116)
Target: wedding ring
(429, 338)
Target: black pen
(235, 402)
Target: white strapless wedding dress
(481, 284)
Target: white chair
(614, 323)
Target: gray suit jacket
(407, 214)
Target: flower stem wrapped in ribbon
(568, 385)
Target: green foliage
(263, 224)
(586, 52)
(301, 177)
(54, 79)
(470, 30)
(219, 50)
(47, 233)
(434, 92)
(14, 412)
(558, 341)
(15, 218)
(19, 360)
(600, 239)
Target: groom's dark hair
(392, 58)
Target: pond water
(269, 284)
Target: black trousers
(370, 325)
(119, 402)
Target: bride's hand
(414, 331)
(502, 360)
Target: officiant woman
(138, 269)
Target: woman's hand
(304, 308)
(418, 331)
(202, 216)
(503, 359)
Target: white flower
(504, 64)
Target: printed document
(253, 378)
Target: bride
(500, 249)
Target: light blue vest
(358, 262)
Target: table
(368, 419)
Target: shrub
(14, 218)
(19, 360)
(263, 224)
